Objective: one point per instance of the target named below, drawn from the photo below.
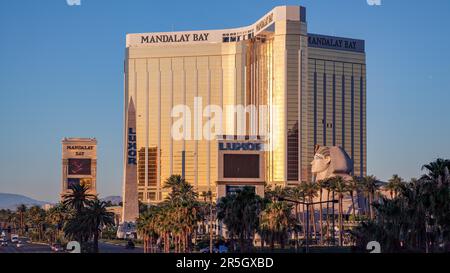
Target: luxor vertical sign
(132, 146)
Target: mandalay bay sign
(208, 122)
(174, 38)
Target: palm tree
(328, 186)
(36, 219)
(165, 225)
(353, 187)
(147, 226)
(56, 217)
(77, 200)
(393, 186)
(310, 190)
(276, 223)
(75, 230)
(321, 185)
(370, 186)
(435, 168)
(21, 210)
(13, 219)
(5, 218)
(417, 219)
(276, 193)
(95, 216)
(297, 193)
(184, 212)
(240, 214)
(78, 197)
(208, 199)
(340, 187)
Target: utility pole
(307, 228)
(333, 239)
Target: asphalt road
(40, 248)
(110, 248)
(27, 248)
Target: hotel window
(292, 170)
(151, 196)
(152, 167)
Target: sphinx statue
(330, 162)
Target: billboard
(241, 165)
(79, 181)
(79, 166)
(73, 182)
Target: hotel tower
(313, 87)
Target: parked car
(4, 242)
(130, 245)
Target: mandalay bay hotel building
(308, 89)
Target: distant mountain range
(12, 201)
(115, 200)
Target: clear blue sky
(61, 74)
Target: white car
(14, 238)
(20, 244)
(3, 242)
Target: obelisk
(130, 192)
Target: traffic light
(26, 228)
(44, 227)
(59, 226)
(9, 229)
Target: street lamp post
(333, 236)
(307, 204)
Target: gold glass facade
(269, 65)
(336, 106)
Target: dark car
(130, 245)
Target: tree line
(403, 216)
(409, 216)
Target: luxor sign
(238, 146)
(132, 147)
